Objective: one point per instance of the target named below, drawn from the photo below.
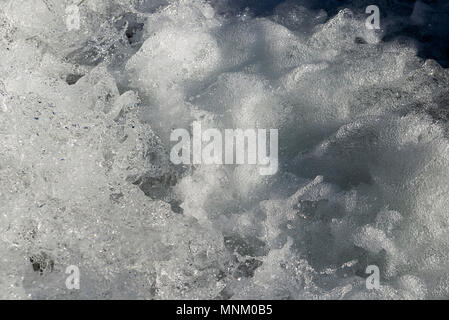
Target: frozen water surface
(85, 118)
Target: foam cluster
(86, 179)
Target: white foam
(363, 166)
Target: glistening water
(85, 175)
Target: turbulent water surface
(86, 179)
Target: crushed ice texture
(85, 178)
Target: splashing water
(86, 180)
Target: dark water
(431, 34)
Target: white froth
(86, 181)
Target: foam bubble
(85, 118)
